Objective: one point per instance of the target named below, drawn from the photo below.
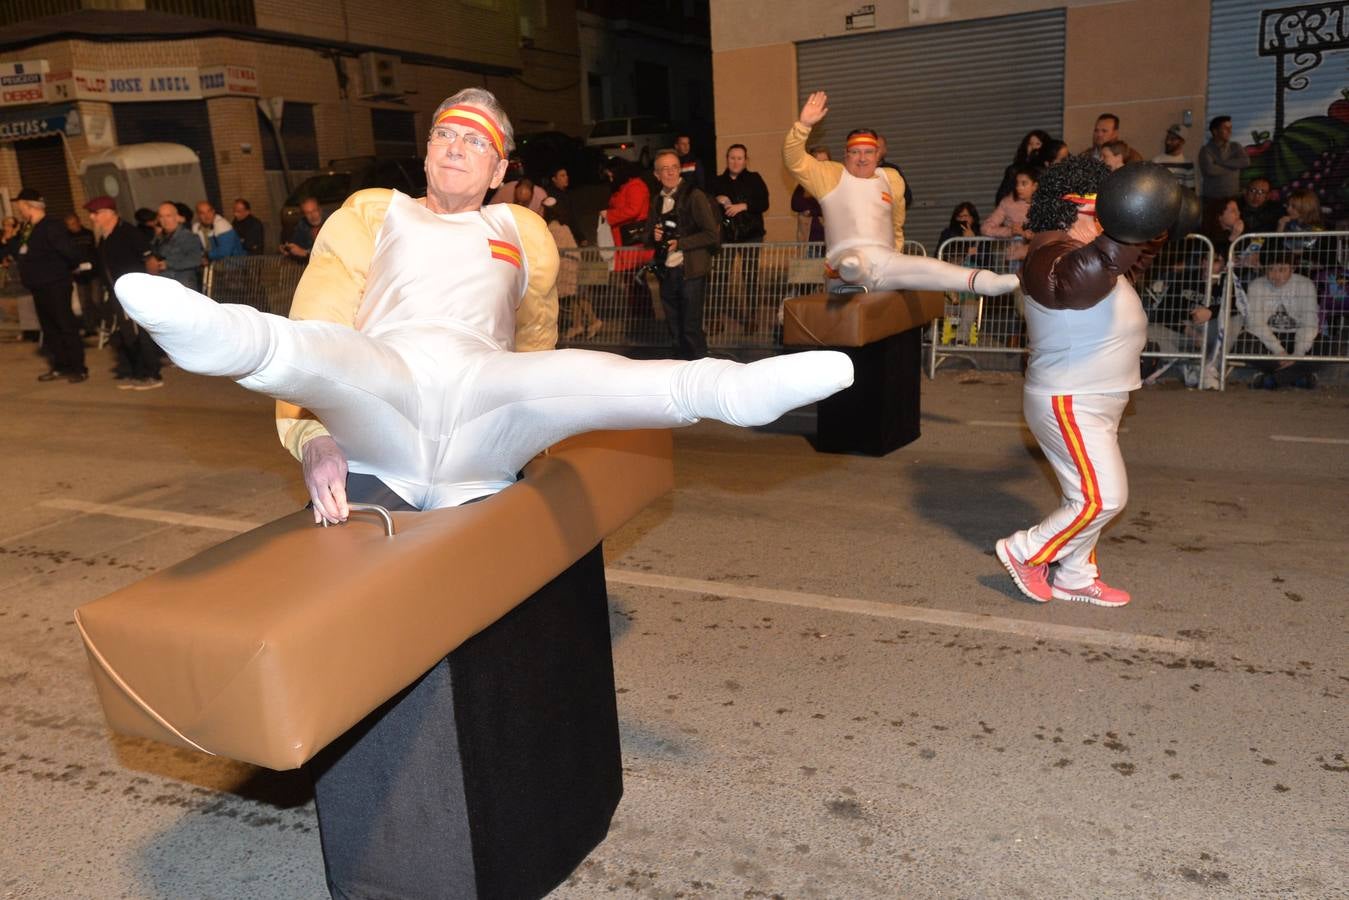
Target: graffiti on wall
(1300, 138)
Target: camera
(669, 227)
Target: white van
(633, 137)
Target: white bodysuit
(864, 229)
(425, 393)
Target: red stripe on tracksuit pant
(1079, 435)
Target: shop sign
(22, 125)
(217, 81)
(80, 84)
(127, 85)
(22, 82)
(153, 84)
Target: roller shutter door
(42, 166)
(952, 100)
(173, 122)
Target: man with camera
(684, 230)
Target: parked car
(634, 137)
(344, 177)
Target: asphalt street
(827, 685)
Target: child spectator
(1009, 219)
(1281, 302)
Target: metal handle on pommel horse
(372, 508)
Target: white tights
(886, 269)
(442, 416)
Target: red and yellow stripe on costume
(1091, 488)
(506, 252)
(479, 120)
(1086, 203)
(862, 140)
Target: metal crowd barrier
(1283, 327)
(266, 283)
(1179, 281)
(617, 301)
(974, 325)
(977, 327)
(742, 307)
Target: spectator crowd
(1288, 289)
(662, 228)
(70, 268)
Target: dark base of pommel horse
(445, 676)
(882, 333)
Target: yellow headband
(477, 119)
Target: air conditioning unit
(381, 75)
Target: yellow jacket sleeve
(331, 288)
(815, 175)
(536, 319)
(897, 210)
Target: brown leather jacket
(1064, 273)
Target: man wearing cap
(122, 248)
(46, 260)
(1174, 158)
(864, 217)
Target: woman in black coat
(743, 199)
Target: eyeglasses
(860, 151)
(445, 137)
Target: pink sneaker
(1033, 581)
(1098, 592)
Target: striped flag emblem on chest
(886, 197)
(505, 251)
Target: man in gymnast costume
(398, 365)
(1086, 329)
(864, 217)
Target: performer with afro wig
(1086, 329)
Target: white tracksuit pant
(1079, 434)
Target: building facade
(954, 84)
(239, 81)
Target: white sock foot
(762, 391)
(991, 284)
(851, 269)
(197, 333)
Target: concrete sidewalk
(827, 685)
